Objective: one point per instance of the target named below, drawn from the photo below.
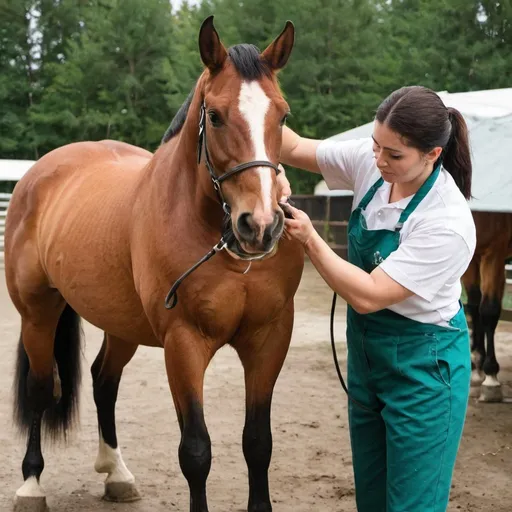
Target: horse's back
(58, 168)
(494, 231)
(69, 185)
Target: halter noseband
(172, 298)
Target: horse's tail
(61, 415)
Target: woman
(411, 236)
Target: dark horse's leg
(471, 280)
(493, 287)
(187, 356)
(47, 379)
(106, 372)
(262, 357)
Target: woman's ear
(433, 155)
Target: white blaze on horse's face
(253, 104)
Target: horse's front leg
(262, 357)
(187, 355)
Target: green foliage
(91, 69)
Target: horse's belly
(124, 319)
(103, 293)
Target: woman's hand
(299, 227)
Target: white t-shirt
(437, 241)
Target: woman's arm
(366, 293)
(298, 151)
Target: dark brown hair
(420, 117)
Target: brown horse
(101, 230)
(484, 282)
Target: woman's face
(398, 162)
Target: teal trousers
(414, 379)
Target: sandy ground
(311, 464)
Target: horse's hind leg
(262, 359)
(49, 347)
(471, 280)
(106, 372)
(493, 287)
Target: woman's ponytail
(457, 155)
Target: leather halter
(172, 298)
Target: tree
(115, 78)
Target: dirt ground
(311, 463)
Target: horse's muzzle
(257, 235)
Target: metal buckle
(201, 119)
(220, 246)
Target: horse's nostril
(244, 225)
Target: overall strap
(369, 195)
(418, 197)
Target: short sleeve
(342, 161)
(431, 257)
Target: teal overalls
(414, 378)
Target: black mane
(247, 61)
(179, 119)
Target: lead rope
(336, 364)
(172, 297)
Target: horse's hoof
(121, 492)
(491, 394)
(474, 391)
(30, 497)
(30, 504)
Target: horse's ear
(213, 53)
(277, 53)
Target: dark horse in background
(101, 230)
(484, 282)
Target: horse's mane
(249, 65)
(180, 117)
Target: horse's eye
(283, 120)
(214, 118)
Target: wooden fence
(329, 215)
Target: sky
(176, 3)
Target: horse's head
(244, 112)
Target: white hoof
(491, 390)
(30, 497)
(121, 492)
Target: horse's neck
(178, 183)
